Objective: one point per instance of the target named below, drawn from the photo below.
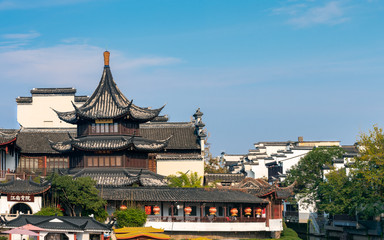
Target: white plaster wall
(85, 236)
(10, 162)
(275, 224)
(209, 227)
(260, 171)
(273, 149)
(6, 206)
(39, 114)
(166, 168)
(292, 159)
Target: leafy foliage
(308, 172)
(369, 172)
(131, 217)
(79, 196)
(49, 211)
(191, 180)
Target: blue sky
(259, 70)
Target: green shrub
(49, 211)
(3, 238)
(131, 217)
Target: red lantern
(187, 210)
(123, 207)
(148, 210)
(248, 211)
(258, 211)
(234, 212)
(156, 210)
(212, 210)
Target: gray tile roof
(224, 177)
(167, 194)
(77, 224)
(119, 177)
(8, 135)
(53, 90)
(184, 138)
(183, 134)
(116, 142)
(23, 187)
(108, 102)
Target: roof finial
(106, 58)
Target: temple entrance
(21, 208)
(56, 236)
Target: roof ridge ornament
(106, 58)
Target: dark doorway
(21, 208)
(56, 236)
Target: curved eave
(68, 117)
(143, 114)
(61, 147)
(152, 146)
(100, 147)
(32, 192)
(8, 142)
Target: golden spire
(106, 58)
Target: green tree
(79, 196)
(191, 180)
(131, 217)
(369, 172)
(308, 173)
(49, 211)
(338, 193)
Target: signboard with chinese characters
(104, 121)
(20, 198)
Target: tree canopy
(131, 217)
(369, 172)
(191, 180)
(308, 173)
(49, 211)
(79, 196)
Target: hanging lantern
(148, 210)
(248, 211)
(156, 210)
(212, 211)
(234, 212)
(258, 211)
(123, 207)
(187, 210)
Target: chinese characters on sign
(20, 198)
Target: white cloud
(27, 4)
(67, 65)
(305, 15)
(21, 36)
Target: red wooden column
(225, 212)
(267, 213)
(172, 212)
(74, 236)
(101, 236)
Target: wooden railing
(203, 219)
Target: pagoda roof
(24, 187)
(8, 136)
(119, 177)
(108, 102)
(114, 143)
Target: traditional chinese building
(62, 227)
(108, 131)
(22, 196)
(8, 151)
